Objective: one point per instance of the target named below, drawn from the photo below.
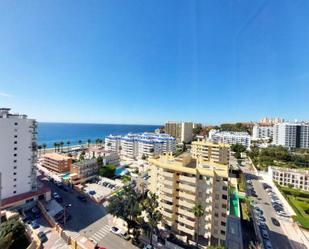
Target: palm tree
(61, 145)
(55, 146)
(154, 216)
(39, 149)
(198, 212)
(68, 143)
(89, 141)
(44, 147)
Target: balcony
(186, 230)
(168, 222)
(188, 179)
(188, 196)
(186, 221)
(186, 204)
(167, 214)
(167, 174)
(167, 206)
(167, 190)
(186, 213)
(167, 198)
(168, 183)
(186, 187)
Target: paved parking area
(89, 219)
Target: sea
(50, 133)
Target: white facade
(229, 137)
(262, 132)
(113, 143)
(17, 154)
(291, 135)
(146, 144)
(186, 132)
(298, 178)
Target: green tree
(197, 130)
(238, 149)
(55, 146)
(107, 171)
(89, 142)
(127, 207)
(82, 156)
(12, 235)
(198, 212)
(100, 161)
(39, 148)
(109, 144)
(154, 216)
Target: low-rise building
(83, 171)
(296, 178)
(209, 151)
(230, 137)
(180, 183)
(56, 162)
(108, 156)
(261, 132)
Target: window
(15, 154)
(15, 142)
(223, 205)
(15, 167)
(15, 123)
(15, 136)
(15, 148)
(216, 215)
(222, 232)
(15, 186)
(224, 197)
(15, 161)
(223, 223)
(15, 179)
(14, 173)
(14, 192)
(224, 188)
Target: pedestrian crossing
(100, 234)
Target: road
(279, 237)
(89, 219)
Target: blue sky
(147, 62)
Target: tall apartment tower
(17, 153)
(181, 131)
(291, 135)
(180, 183)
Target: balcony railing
(187, 187)
(188, 179)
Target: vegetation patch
(13, 235)
(299, 201)
(107, 171)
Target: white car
(115, 230)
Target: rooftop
(210, 144)
(57, 156)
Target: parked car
(115, 230)
(42, 236)
(92, 192)
(35, 210)
(263, 225)
(264, 234)
(148, 246)
(137, 242)
(56, 195)
(82, 198)
(35, 224)
(267, 244)
(261, 218)
(275, 222)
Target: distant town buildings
(230, 137)
(291, 135)
(18, 155)
(208, 151)
(296, 178)
(83, 171)
(108, 156)
(181, 131)
(56, 162)
(261, 132)
(182, 182)
(141, 145)
(271, 121)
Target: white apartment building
(138, 145)
(230, 137)
(113, 143)
(291, 135)
(298, 178)
(180, 183)
(17, 154)
(183, 131)
(260, 132)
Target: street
(277, 234)
(89, 219)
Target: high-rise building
(181, 131)
(291, 135)
(262, 132)
(17, 154)
(230, 137)
(180, 183)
